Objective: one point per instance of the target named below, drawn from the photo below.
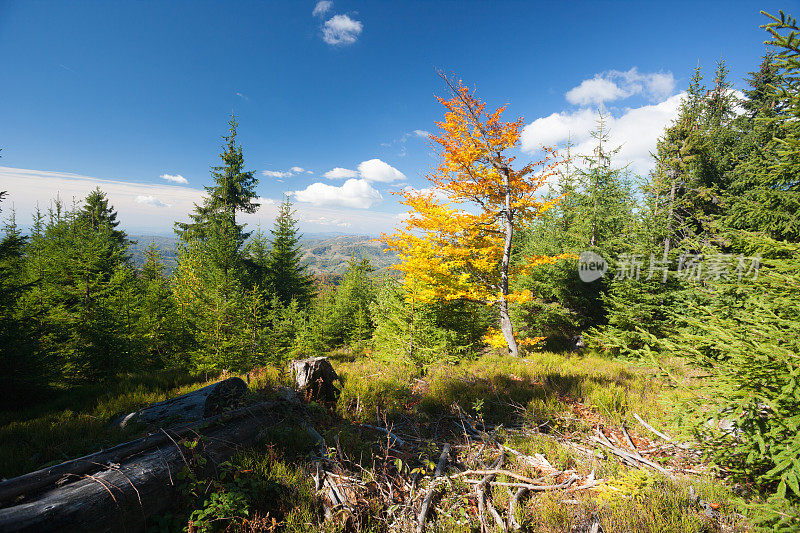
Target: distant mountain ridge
(323, 253)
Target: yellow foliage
(452, 244)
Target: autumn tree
(458, 238)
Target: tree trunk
(120, 490)
(505, 320)
(670, 214)
(190, 407)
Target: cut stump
(314, 378)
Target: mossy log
(190, 407)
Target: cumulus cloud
(377, 170)
(615, 84)
(152, 201)
(321, 8)
(297, 170)
(372, 170)
(341, 30)
(28, 188)
(277, 173)
(636, 130)
(174, 178)
(357, 193)
(340, 173)
(594, 91)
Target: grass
(557, 394)
(75, 421)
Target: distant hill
(323, 253)
(329, 255)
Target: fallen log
(196, 405)
(122, 495)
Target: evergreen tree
(594, 213)
(233, 191)
(351, 301)
(96, 213)
(211, 279)
(286, 275)
(23, 368)
(764, 194)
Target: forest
(493, 317)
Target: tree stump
(209, 401)
(314, 378)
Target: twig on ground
(423, 512)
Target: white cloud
(27, 188)
(322, 7)
(152, 201)
(340, 173)
(594, 91)
(276, 173)
(422, 133)
(175, 178)
(357, 193)
(297, 170)
(615, 84)
(636, 130)
(341, 29)
(377, 170)
(557, 127)
(326, 221)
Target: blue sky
(122, 93)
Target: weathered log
(314, 378)
(196, 405)
(123, 495)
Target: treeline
(76, 309)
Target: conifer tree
(233, 191)
(211, 279)
(286, 275)
(96, 212)
(22, 367)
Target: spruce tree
(23, 367)
(233, 191)
(212, 278)
(96, 212)
(286, 275)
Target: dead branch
(423, 512)
(629, 457)
(395, 439)
(483, 502)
